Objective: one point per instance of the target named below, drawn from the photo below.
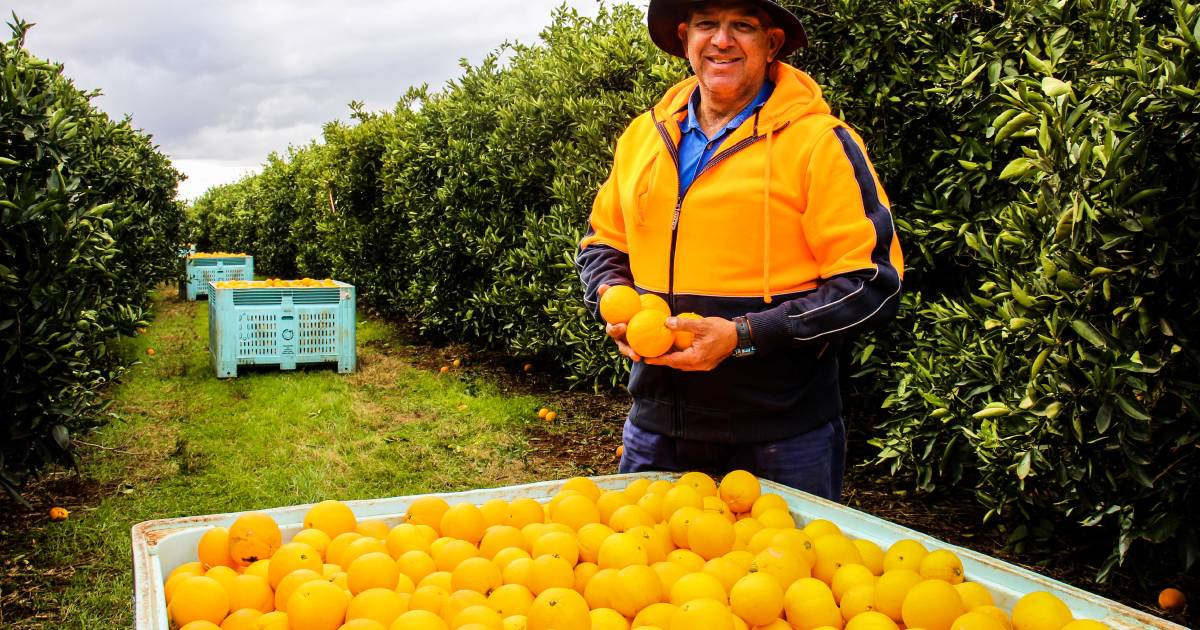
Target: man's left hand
(714, 341)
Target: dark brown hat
(664, 17)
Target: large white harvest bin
(160, 546)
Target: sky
(221, 84)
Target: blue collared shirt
(695, 148)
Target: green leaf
(1017, 168)
(1024, 465)
(1131, 408)
(1104, 417)
(1088, 332)
(1055, 88)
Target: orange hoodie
(787, 224)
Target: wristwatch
(745, 343)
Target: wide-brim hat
(664, 17)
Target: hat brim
(664, 17)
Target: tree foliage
(88, 225)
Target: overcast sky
(221, 84)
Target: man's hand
(715, 339)
(617, 332)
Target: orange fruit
(511, 599)
(654, 303)
(559, 544)
(464, 521)
(244, 619)
(1172, 599)
(339, 544)
(942, 564)
(904, 554)
(363, 624)
(150, 351)
(542, 412)
(403, 538)
(416, 564)
(314, 538)
(932, 604)
(684, 338)
(201, 625)
(380, 604)
(808, 603)
(619, 303)
(251, 591)
(704, 484)
(374, 569)
(448, 552)
(608, 619)
(199, 598)
(331, 517)
(757, 598)
(709, 614)
(627, 517)
(317, 605)
(476, 617)
(419, 620)
(289, 584)
(584, 486)
(373, 527)
(574, 510)
(636, 587)
(427, 511)
(291, 557)
(890, 590)
(833, 552)
(858, 599)
(872, 555)
(980, 621)
(974, 595)
(1040, 610)
(739, 489)
(558, 609)
(656, 615)
(699, 585)
(476, 574)
(274, 620)
(253, 536)
(548, 572)
(213, 548)
(647, 333)
(621, 550)
(710, 535)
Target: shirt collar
(692, 122)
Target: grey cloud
(225, 83)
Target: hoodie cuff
(768, 329)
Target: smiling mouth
(722, 62)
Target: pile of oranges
(215, 255)
(275, 283)
(660, 555)
(645, 319)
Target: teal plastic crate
(281, 326)
(198, 272)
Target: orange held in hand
(619, 303)
(648, 334)
(683, 338)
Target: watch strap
(745, 341)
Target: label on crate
(345, 295)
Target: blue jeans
(813, 462)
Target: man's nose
(723, 38)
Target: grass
(185, 443)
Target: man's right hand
(617, 332)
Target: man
(739, 197)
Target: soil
(583, 441)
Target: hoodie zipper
(673, 150)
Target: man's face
(729, 46)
